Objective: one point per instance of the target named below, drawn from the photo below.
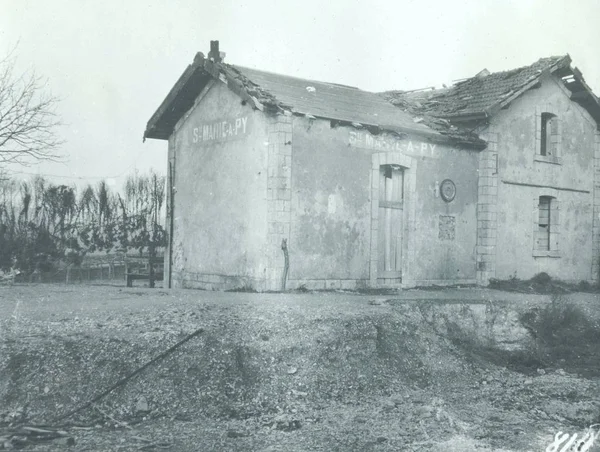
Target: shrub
(564, 333)
(584, 286)
(245, 288)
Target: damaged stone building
(276, 181)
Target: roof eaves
(579, 76)
(586, 97)
(455, 134)
(152, 127)
(429, 133)
(160, 126)
(463, 117)
(444, 128)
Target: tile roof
(478, 95)
(435, 114)
(332, 101)
(280, 94)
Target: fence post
(151, 269)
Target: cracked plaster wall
(219, 154)
(570, 180)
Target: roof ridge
(478, 96)
(520, 68)
(237, 66)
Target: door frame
(409, 165)
(391, 209)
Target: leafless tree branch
(28, 119)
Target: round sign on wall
(447, 190)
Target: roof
(333, 101)
(483, 95)
(435, 114)
(478, 96)
(277, 93)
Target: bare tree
(28, 120)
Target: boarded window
(544, 223)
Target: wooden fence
(75, 275)
(111, 269)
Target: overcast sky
(113, 62)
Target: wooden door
(391, 195)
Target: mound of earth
(444, 370)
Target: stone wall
(219, 156)
(565, 175)
(596, 224)
(487, 225)
(279, 196)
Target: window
(549, 129)
(548, 138)
(546, 227)
(543, 236)
(391, 186)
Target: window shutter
(556, 136)
(546, 225)
(544, 220)
(550, 134)
(554, 125)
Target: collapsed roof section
(483, 95)
(582, 93)
(279, 94)
(439, 115)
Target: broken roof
(276, 93)
(483, 95)
(332, 101)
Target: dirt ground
(452, 370)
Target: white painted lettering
(385, 143)
(432, 147)
(220, 130)
(352, 138)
